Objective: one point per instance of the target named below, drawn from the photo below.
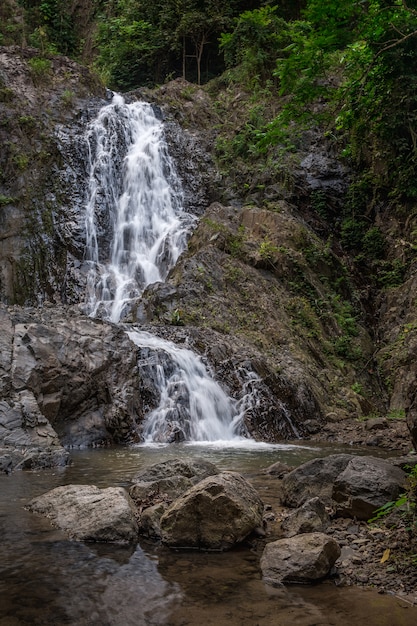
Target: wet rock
(88, 513)
(314, 478)
(168, 480)
(278, 469)
(149, 521)
(69, 381)
(412, 425)
(146, 494)
(6, 463)
(366, 484)
(376, 423)
(27, 439)
(309, 518)
(42, 221)
(215, 514)
(304, 558)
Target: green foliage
(391, 273)
(405, 505)
(20, 160)
(6, 94)
(358, 61)
(268, 251)
(388, 508)
(254, 44)
(373, 243)
(5, 200)
(177, 317)
(127, 48)
(11, 23)
(357, 388)
(396, 414)
(39, 68)
(143, 42)
(379, 95)
(351, 233)
(319, 203)
(53, 27)
(236, 242)
(68, 97)
(303, 315)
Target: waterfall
(135, 195)
(191, 406)
(136, 229)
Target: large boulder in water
(366, 484)
(305, 558)
(168, 480)
(88, 513)
(155, 487)
(215, 514)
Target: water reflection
(47, 579)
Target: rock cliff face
(41, 186)
(261, 286)
(66, 381)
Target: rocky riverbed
(378, 555)
(315, 518)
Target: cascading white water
(192, 405)
(140, 196)
(136, 229)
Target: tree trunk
(199, 53)
(183, 59)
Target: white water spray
(192, 405)
(140, 199)
(135, 197)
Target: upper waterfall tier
(134, 204)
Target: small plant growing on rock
(405, 506)
(177, 318)
(5, 200)
(267, 251)
(67, 97)
(357, 388)
(396, 414)
(39, 68)
(237, 241)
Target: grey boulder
(366, 484)
(310, 517)
(304, 558)
(313, 479)
(215, 514)
(168, 480)
(88, 513)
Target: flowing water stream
(192, 405)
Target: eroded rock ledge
(67, 380)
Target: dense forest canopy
(359, 58)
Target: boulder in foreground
(215, 514)
(309, 518)
(168, 480)
(88, 513)
(313, 479)
(366, 484)
(301, 559)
